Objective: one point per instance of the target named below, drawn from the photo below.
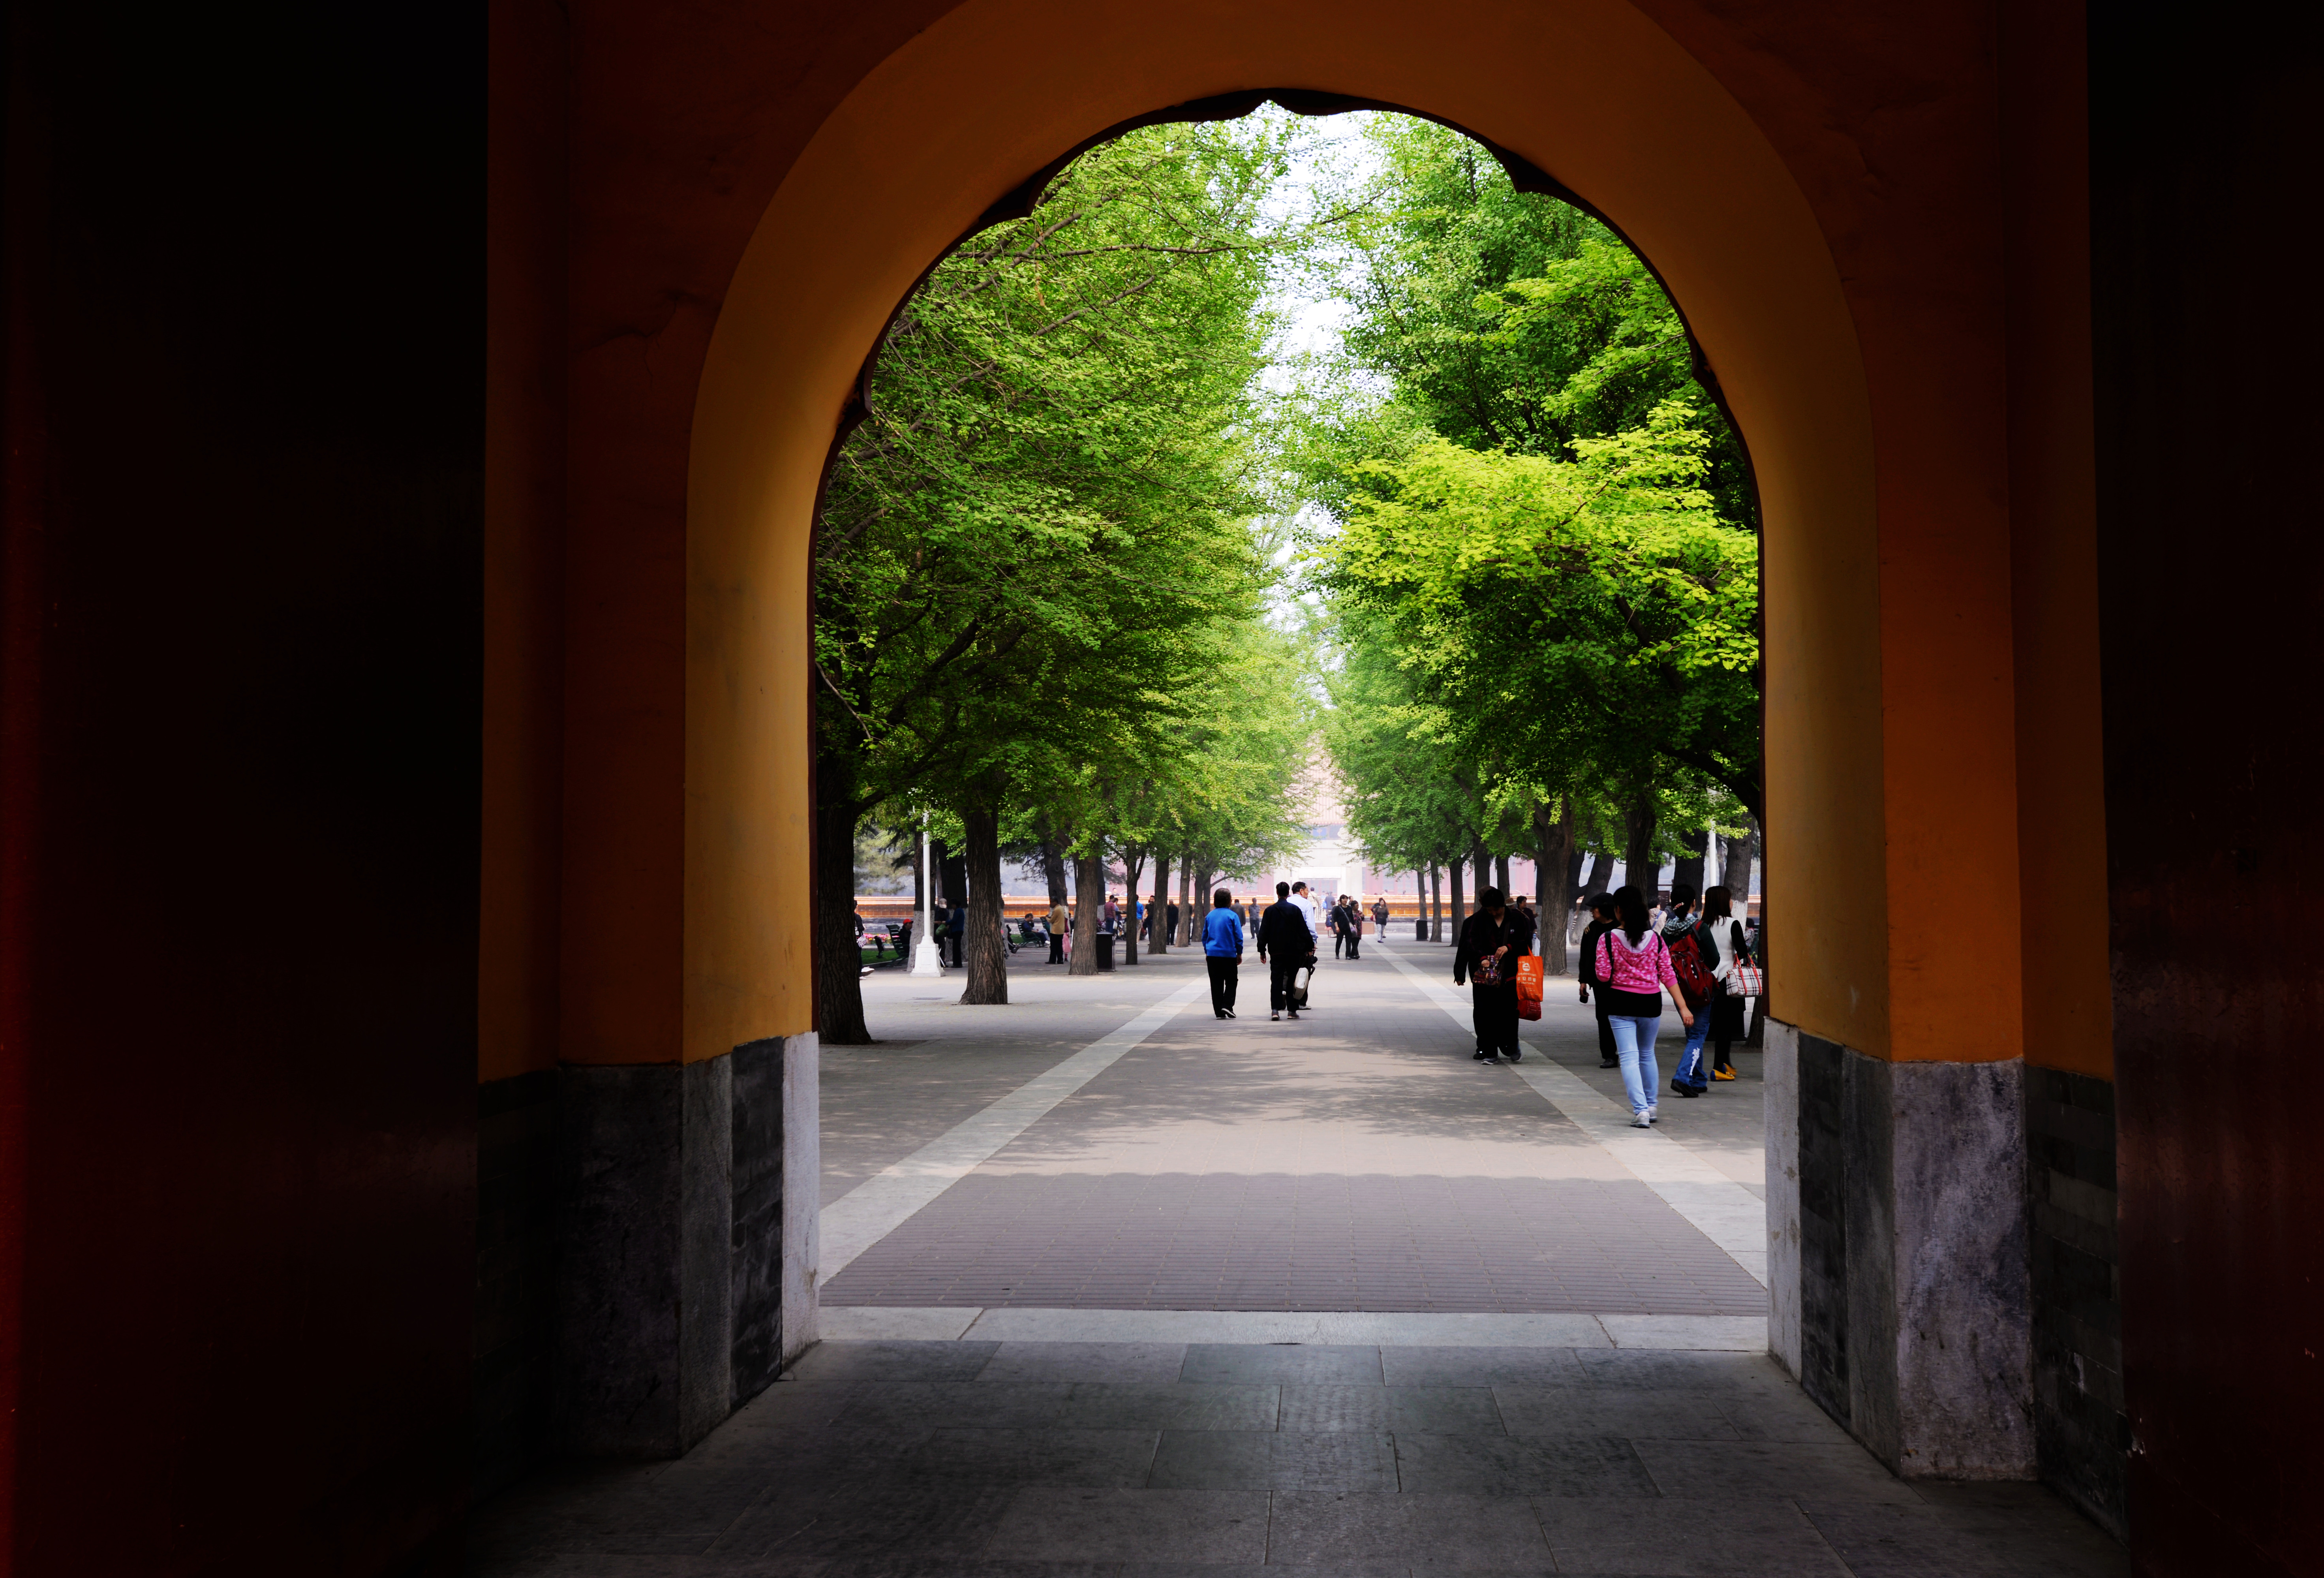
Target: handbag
(1529, 985)
(1748, 980)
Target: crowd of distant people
(1695, 952)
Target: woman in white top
(1721, 932)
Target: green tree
(1022, 545)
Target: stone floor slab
(1740, 1538)
(1172, 1525)
(1221, 1460)
(1432, 1533)
(1501, 1465)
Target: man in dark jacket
(1601, 921)
(1492, 941)
(1287, 944)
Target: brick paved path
(1356, 1160)
(1072, 1459)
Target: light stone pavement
(1357, 1160)
(1336, 1443)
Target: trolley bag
(1529, 987)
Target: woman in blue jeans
(1634, 971)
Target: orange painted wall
(751, 191)
(2062, 813)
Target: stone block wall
(645, 1251)
(2082, 1432)
(1898, 1252)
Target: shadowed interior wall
(243, 443)
(2211, 558)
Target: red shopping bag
(1529, 987)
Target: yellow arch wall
(1593, 93)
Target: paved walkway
(1357, 1159)
(1212, 1298)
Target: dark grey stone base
(1897, 1253)
(2081, 1432)
(512, 1359)
(669, 1307)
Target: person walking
(956, 932)
(1601, 921)
(1338, 922)
(1222, 953)
(1492, 941)
(1353, 909)
(1286, 944)
(1059, 916)
(1635, 965)
(1306, 901)
(1682, 934)
(1723, 945)
(1379, 914)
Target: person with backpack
(1492, 941)
(1720, 938)
(1601, 921)
(1681, 934)
(1634, 964)
(1222, 953)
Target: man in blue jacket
(1223, 952)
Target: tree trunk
(1132, 863)
(838, 964)
(951, 866)
(1052, 868)
(1735, 870)
(1162, 938)
(1420, 903)
(1459, 914)
(1089, 905)
(1435, 906)
(981, 944)
(1552, 870)
(1602, 871)
(1642, 867)
(1695, 850)
(1186, 900)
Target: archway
(1881, 583)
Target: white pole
(927, 958)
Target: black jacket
(1480, 937)
(1589, 936)
(1284, 928)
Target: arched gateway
(310, 1160)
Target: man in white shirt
(1307, 908)
(1300, 897)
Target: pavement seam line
(884, 1202)
(1363, 1328)
(1722, 1210)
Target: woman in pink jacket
(1634, 971)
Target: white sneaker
(1654, 1113)
(1638, 1120)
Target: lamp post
(927, 959)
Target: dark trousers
(1495, 1010)
(1355, 944)
(1339, 944)
(1223, 972)
(1282, 977)
(1056, 947)
(1726, 1026)
(1606, 1050)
